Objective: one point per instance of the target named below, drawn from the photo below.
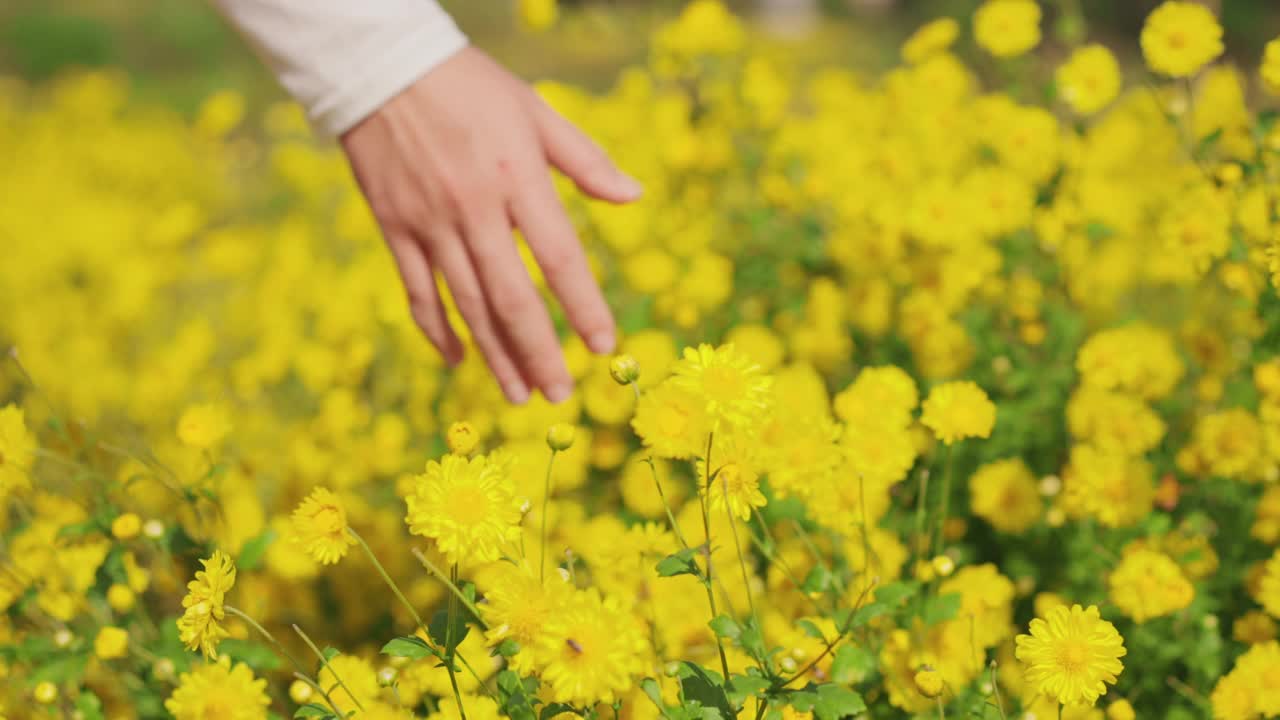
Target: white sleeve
(342, 59)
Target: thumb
(577, 156)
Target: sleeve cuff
(368, 88)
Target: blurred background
(177, 52)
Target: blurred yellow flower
(932, 37)
(218, 690)
(1180, 37)
(958, 410)
(204, 426)
(1148, 584)
(319, 526)
(111, 643)
(1270, 68)
(1089, 80)
(1007, 28)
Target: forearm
(343, 59)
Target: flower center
(329, 520)
(217, 709)
(470, 505)
(1073, 655)
(723, 383)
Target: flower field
(937, 395)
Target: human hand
(449, 167)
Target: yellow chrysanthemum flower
(1072, 654)
(1007, 28)
(1270, 586)
(517, 606)
(204, 426)
(931, 38)
(538, 15)
(199, 627)
(320, 527)
(1270, 68)
(1089, 80)
(957, 410)
(1148, 584)
(1179, 38)
(735, 477)
(218, 690)
(672, 422)
(879, 397)
(467, 506)
(986, 602)
(1253, 627)
(111, 643)
(1005, 494)
(359, 681)
(734, 389)
(478, 707)
(593, 649)
(17, 450)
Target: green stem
(942, 715)
(944, 501)
(453, 587)
(921, 541)
(387, 578)
(324, 662)
(675, 527)
(742, 560)
(995, 689)
(706, 529)
(300, 672)
(546, 500)
(449, 646)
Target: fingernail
(601, 342)
(559, 393)
(516, 392)
(630, 185)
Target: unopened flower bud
(120, 598)
(163, 669)
(62, 638)
(928, 682)
(787, 664)
(943, 565)
(153, 529)
(300, 692)
(387, 676)
(624, 369)
(462, 438)
(672, 669)
(45, 693)
(126, 526)
(560, 437)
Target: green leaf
(741, 687)
(330, 653)
(553, 709)
(894, 593)
(446, 635)
(507, 648)
(253, 551)
(88, 706)
(652, 689)
(409, 646)
(679, 563)
(726, 627)
(810, 629)
(61, 670)
(700, 686)
(752, 639)
(817, 581)
(836, 701)
(940, 608)
(852, 664)
(257, 656)
(312, 710)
